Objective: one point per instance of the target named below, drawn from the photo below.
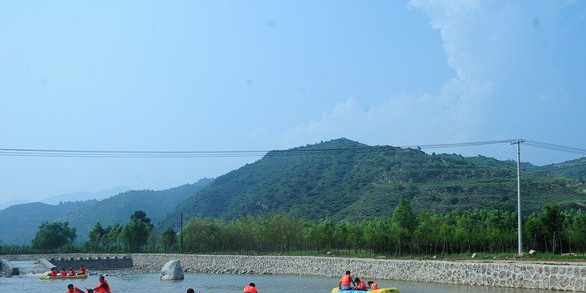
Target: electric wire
(555, 147)
(61, 153)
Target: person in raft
(72, 272)
(63, 272)
(373, 285)
(73, 289)
(360, 285)
(53, 272)
(345, 282)
(82, 270)
(190, 290)
(103, 286)
(251, 288)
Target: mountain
(346, 180)
(81, 196)
(19, 223)
(573, 169)
(12, 203)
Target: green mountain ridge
(338, 180)
(346, 180)
(82, 215)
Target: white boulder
(172, 270)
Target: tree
(136, 232)
(169, 239)
(52, 236)
(404, 216)
(115, 236)
(405, 222)
(141, 216)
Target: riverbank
(513, 274)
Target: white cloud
(402, 119)
(496, 49)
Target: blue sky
(255, 75)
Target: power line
(65, 153)
(555, 147)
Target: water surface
(206, 283)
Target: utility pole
(181, 244)
(519, 215)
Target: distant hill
(12, 203)
(81, 196)
(18, 224)
(343, 179)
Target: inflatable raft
(381, 290)
(82, 276)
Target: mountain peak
(338, 143)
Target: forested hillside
(335, 180)
(20, 222)
(343, 179)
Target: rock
(172, 270)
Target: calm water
(203, 283)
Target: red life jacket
(72, 273)
(361, 285)
(103, 287)
(345, 281)
(53, 273)
(249, 289)
(374, 286)
(63, 273)
(83, 270)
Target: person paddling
(190, 290)
(63, 272)
(53, 272)
(251, 288)
(73, 289)
(82, 270)
(103, 286)
(72, 272)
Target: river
(206, 283)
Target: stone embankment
(569, 277)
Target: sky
(261, 75)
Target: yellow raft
(81, 276)
(381, 290)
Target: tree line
(404, 233)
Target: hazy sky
(248, 75)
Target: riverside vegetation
(552, 230)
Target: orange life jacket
(374, 286)
(361, 285)
(75, 290)
(249, 289)
(103, 287)
(53, 274)
(345, 281)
